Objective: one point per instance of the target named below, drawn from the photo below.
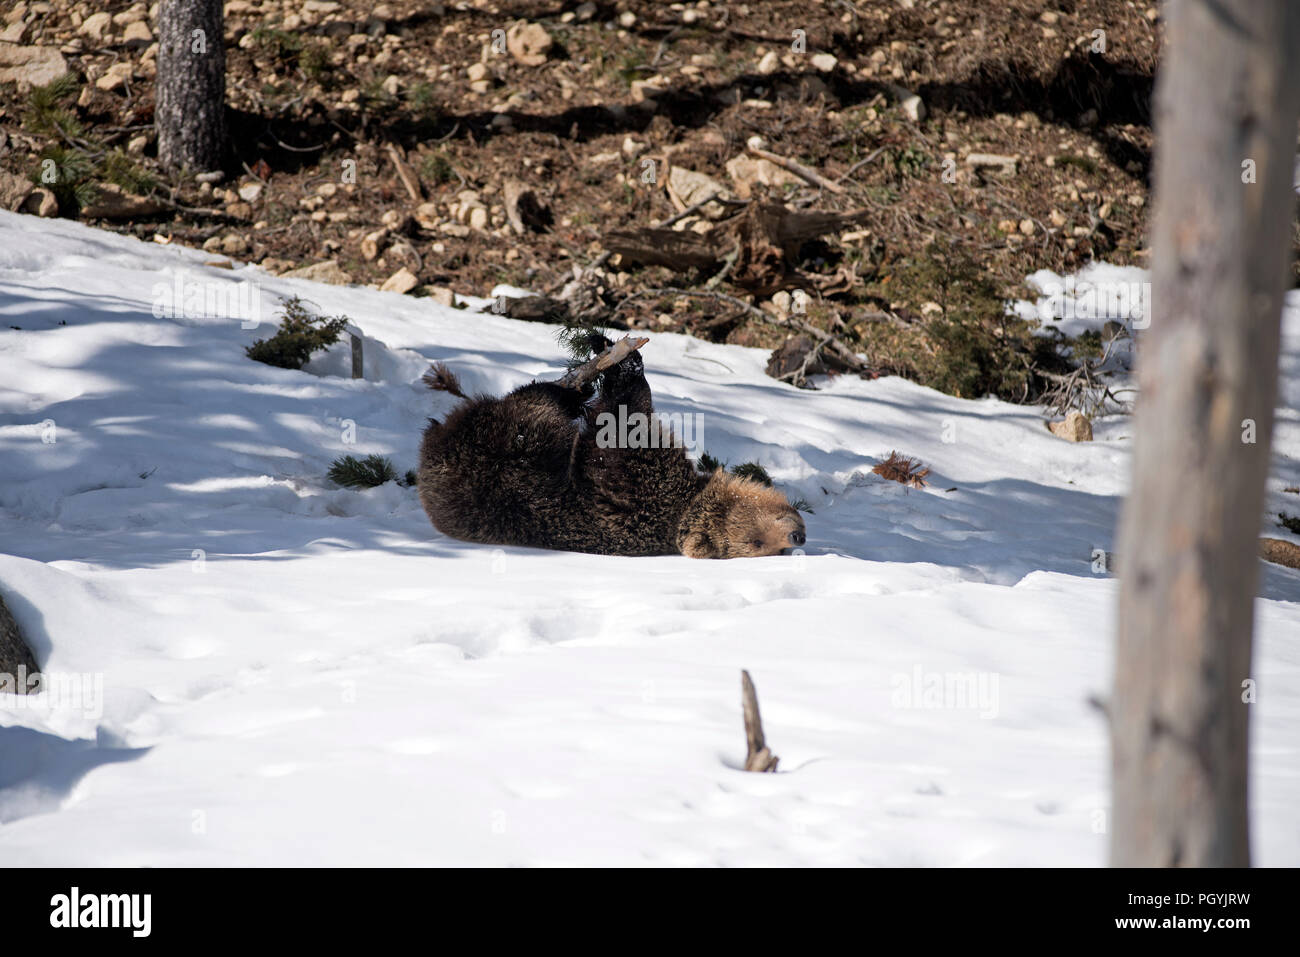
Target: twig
(757, 755)
(405, 174)
(803, 172)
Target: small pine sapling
(300, 334)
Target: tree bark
(1227, 98)
(190, 109)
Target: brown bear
(528, 469)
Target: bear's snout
(797, 537)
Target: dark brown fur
(519, 470)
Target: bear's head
(737, 517)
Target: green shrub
(300, 334)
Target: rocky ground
(378, 143)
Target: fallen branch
(803, 172)
(757, 756)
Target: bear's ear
(699, 545)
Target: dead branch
(757, 756)
(803, 172)
(578, 377)
(405, 174)
(901, 469)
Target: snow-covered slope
(294, 673)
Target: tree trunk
(190, 111)
(1226, 106)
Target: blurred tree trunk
(1226, 108)
(190, 114)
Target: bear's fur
(525, 469)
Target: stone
(95, 25)
(137, 34)
(769, 64)
(529, 43)
(31, 65)
(41, 202)
(328, 271)
(115, 78)
(687, 187)
(824, 62)
(402, 281)
(250, 192)
(14, 190)
(746, 171)
(1074, 428)
(14, 33)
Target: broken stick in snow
(758, 757)
(578, 377)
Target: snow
(277, 671)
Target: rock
(529, 43)
(30, 66)
(112, 202)
(16, 32)
(137, 34)
(136, 144)
(523, 209)
(627, 20)
(769, 64)
(478, 219)
(645, 91)
(1074, 428)
(327, 272)
(1027, 227)
(402, 281)
(250, 192)
(321, 6)
(686, 187)
(41, 202)
(441, 295)
(14, 190)
(824, 62)
(911, 104)
(746, 171)
(115, 78)
(15, 655)
(95, 25)
(1274, 550)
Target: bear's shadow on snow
(244, 420)
(40, 770)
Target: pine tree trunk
(190, 111)
(1227, 100)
